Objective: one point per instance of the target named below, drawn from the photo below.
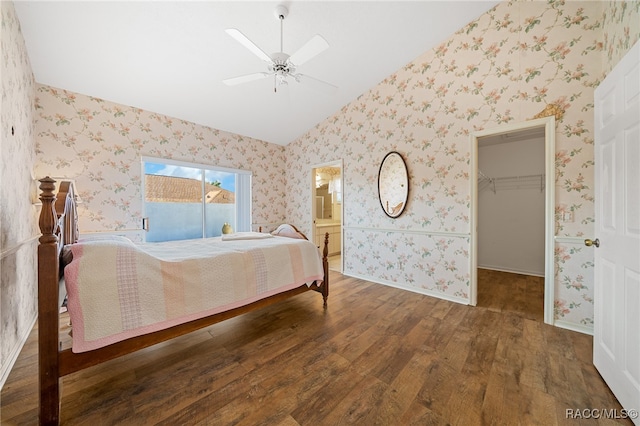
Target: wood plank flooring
(377, 355)
(511, 293)
(335, 262)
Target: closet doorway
(512, 218)
(326, 209)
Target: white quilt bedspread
(117, 289)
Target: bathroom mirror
(393, 184)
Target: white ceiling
(170, 57)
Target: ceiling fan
(280, 65)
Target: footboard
(323, 287)
(58, 225)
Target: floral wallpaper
(505, 67)
(18, 289)
(100, 144)
(574, 268)
(621, 30)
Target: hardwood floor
(377, 355)
(335, 262)
(511, 293)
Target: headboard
(67, 213)
(59, 217)
(288, 230)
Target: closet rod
(511, 182)
(526, 177)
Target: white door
(616, 345)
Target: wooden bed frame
(58, 224)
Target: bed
(142, 305)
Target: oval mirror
(393, 184)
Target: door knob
(590, 243)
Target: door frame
(312, 180)
(549, 215)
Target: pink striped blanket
(118, 290)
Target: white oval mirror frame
(393, 184)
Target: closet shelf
(510, 182)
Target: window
(186, 200)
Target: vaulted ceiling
(170, 57)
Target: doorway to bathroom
(326, 209)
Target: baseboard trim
(585, 329)
(424, 292)
(512, 271)
(15, 352)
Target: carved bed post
(325, 267)
(48, 275)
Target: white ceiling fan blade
(243, 40)
(316, 84)
(313, 47)
(245, 78)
